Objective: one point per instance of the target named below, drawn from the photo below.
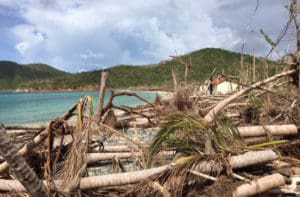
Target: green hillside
(13, 75)
(156, 76)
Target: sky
(83, 35)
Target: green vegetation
(12, 75)
(158, 76)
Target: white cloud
(91, 54)
(74, 35)
(22, 47)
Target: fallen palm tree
(19, 166)
(239, 161)
(260, 185)
(97, 157)
(273, 130)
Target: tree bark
(275, 130)
(23, 172)
(101, 95)
(260, 185)
(174, 81)
(253, 72)
(239, 161)
(294, 14)
(26, 148)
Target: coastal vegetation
(37, 77)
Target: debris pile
(194, 145)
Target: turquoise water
(28, 108)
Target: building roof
(218, 80)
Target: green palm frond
(178, 131)
(226, 135)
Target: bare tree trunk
(294, 15)
(174, 81)
(23, 172)
(260, 185)
(253, 75)
(101, 95)
(295, 2)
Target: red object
(218, 80)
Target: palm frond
(178, 131)
(266, 144)
(227, 135)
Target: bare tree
(101, 94)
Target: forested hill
(159, 76)
(13, 75)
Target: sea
(40, 108)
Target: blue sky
(77, 35)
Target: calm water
(28, 108)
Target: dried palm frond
(76, 162)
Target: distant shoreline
(137, 89)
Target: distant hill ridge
(41, 77)
(12, 74)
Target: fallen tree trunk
(22, 132)
(252, 158)
(116, 148)
(21, 169)
(95, 181)
(132, 123)
(24, 128)
(275, 130)
(232, 115)
(26, 148)
(240, 161)
(134, 116)
(260, 185)
(97, 157)
(246, 159)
